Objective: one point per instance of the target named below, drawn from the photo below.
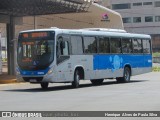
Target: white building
(140, 16)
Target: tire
(119, 80)
(75, 83)
(126, 76)
(44, 85)
(97, 81)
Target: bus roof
(93, 31)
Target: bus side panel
(86, 62)
(136, 62)
(102, 66)
(111, 66)
(147, 65)
(148, 61)
(107, 66)
(67, 68)
(64, 71)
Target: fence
(156, 59)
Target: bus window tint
(137, 46)
(76, 43)
(104, 45)
(90, 45)
(66, 48)
(126, 45)
(115, 44)
(62, 47)
(146, 46)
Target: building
(140, 16)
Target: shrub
(156, 69)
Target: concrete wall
(90, 19)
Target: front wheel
(126, 76)
(44, 85)
(75, 83)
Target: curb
(8, 81)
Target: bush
(4, 59)
(156, 69)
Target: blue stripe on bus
(34, 73)
(114, 62)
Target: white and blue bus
(68, 55)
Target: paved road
(142, 94)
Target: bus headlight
(50, 71)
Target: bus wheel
(97, 81)
(44, 85)
(75, 83)
(126, 76)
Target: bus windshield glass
(35, 50)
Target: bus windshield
(35, 53)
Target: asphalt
(141, 94)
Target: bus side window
(65, 47)
(90, 45)
(104, 45)
(137, 46)
(127, 45)
(62, 47)
(58, 51)
(115, 45)
(146, 46)
(76, 43)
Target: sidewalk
(6, 79)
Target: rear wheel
(126, 76)
(44, 85)
(75, 83)
(97, 81)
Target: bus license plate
(33, 80)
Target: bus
(70, 55)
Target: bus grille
(38, 79)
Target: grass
(156, 54)
(4, 59)
(156, 69)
